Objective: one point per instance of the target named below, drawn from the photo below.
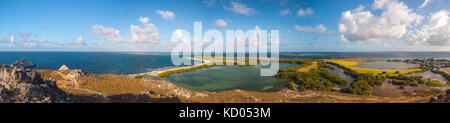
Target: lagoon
(222, 78)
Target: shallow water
(340, 72)
(222, 78)
(428, 75)
(385, 65)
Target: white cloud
(435, 33)
(284, 12)
(12, 39)
(81, 41)
(391, 24)
(109, 34)
(43, 40)
(167, 15)
(240, 8)
(321, 29)
(180, 36)
(148, 34)
(306, 12)
(23, 38)
(425, 3)
(380, 3)
(439, 19)
(221, 23)
(209, 3)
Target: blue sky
(147, 25)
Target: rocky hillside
(443, 98)
(21, 85)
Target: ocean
(135, 63)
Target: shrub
(292, 85)
(401, 87)
(139, 76)
(360, 87)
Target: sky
(148, 25)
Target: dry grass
(351, 63)
(446, 70)
(309, 67)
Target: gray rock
(26, 86)
(23, 64)
(76, 73)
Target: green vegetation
(414, 81)
(405, 80)
(139, 76)
(363, 82)
(317, 78)
(292, 85)
(360, 87)
(434, 83)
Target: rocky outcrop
(443, 98)
(76, 73)
(26, 86)
(23, 64)
(63, 68)
(19, 75)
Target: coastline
(157, 72)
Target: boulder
(63, 68)
(76, 73)
(23, 64)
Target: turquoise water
(385, 65)
(227, 78)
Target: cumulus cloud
(302, 12)
(167, 15)
(435, 33)
(391, 24)
(320, 29)
(425, 3)
(109, 34)
(220, 23)
(181, 36)
(148, 34)
(284, 12)
(240, 8)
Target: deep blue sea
(135, 63)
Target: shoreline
(157, 72)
